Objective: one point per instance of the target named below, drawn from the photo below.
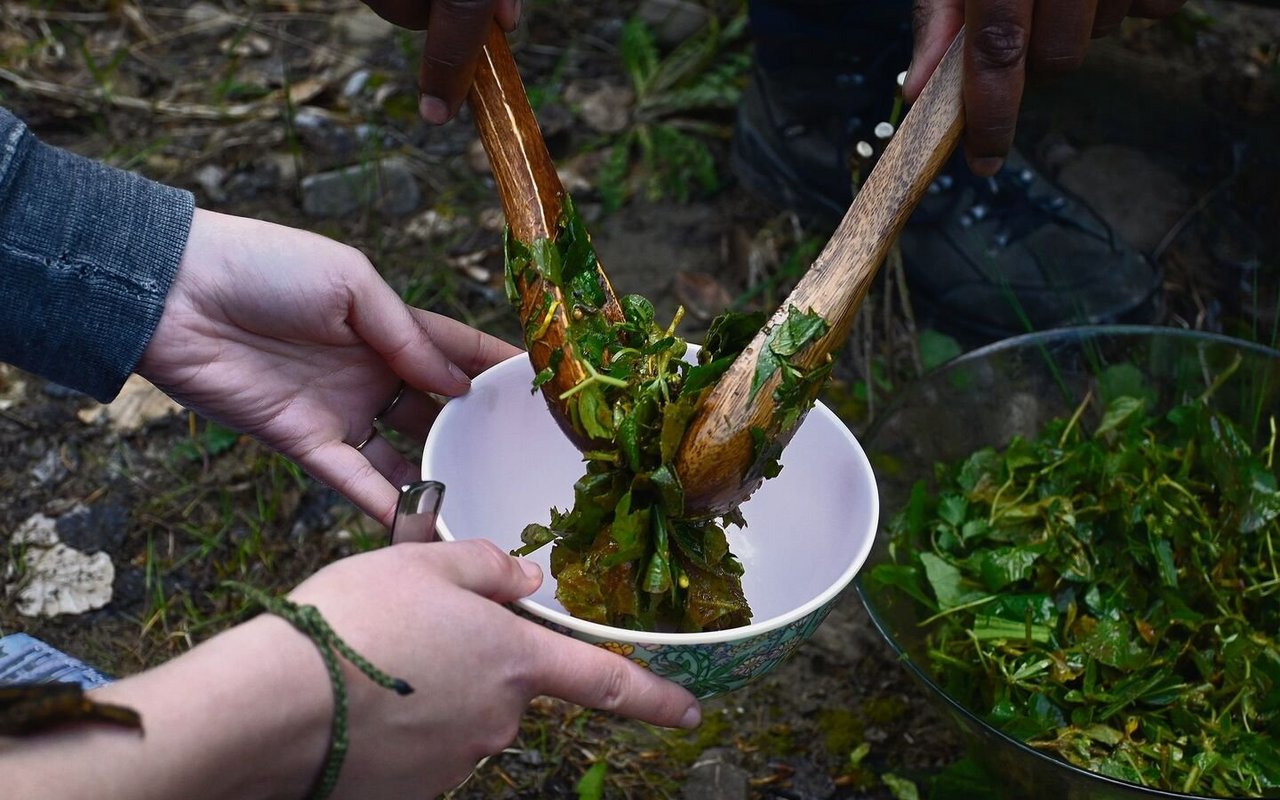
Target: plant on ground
(664, 153)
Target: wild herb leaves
(786, 339)
(624, 555)
(796, 390)
(1111, 596)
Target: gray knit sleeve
(87, 254)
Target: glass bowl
(1014, 387)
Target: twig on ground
(267, 107)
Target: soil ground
(1169, 129)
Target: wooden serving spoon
(716, 455)
(532, 199)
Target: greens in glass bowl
(1080, 559)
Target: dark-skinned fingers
(1060, 35)
(507, 13)
(997, 35)
(411, 14)
(934, 24)
(1155, 9)
(455, 34)
(415, 14)
(1109, 15)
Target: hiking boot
(824, 76)
(985, 258)
(995, 257)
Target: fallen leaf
(306, 90)
(12, 387)
(138, 403)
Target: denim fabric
(87, 254)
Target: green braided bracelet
(308, 620)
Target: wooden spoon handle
(528, 184)
(532, 199)
(839, 278)
(718, 447)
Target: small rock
(605, 108)
(389, 186)
(573, 181)
(355, 83)
(211, 177)
(49, 471)
(250, 46)
(492, 219)
(323, 132)
(101, 526)
(431, 224)
(38, 530)
(62, 580)
(716, 776)
(673, 21)
(362, 27)
(1141, 199)
(477, 158)
(260, 177)
(209, 17)
(874, 734)
(283, 166)
(531, 757)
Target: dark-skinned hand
(457, 30)
(1005, 41)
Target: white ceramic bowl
(506, 463)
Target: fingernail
(433, 109)
(458, 374)
(906, 80)
(985, 167)
(692, 717)
(530, 569)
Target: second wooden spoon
(717, 460)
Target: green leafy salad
(626, 554)
(1110, 596)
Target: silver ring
(395, 401)
(373, 434)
